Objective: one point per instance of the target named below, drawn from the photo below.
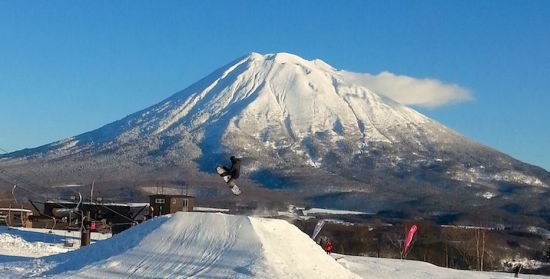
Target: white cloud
(428, 93)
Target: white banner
(317, 229)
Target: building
(119, 216)
(16, 217)
(161, 204)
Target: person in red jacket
(328, 246)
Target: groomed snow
(216, 245)
(193, 245)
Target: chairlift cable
(2, 171)
(19, 180)
(108, 208)
(13, 192)
(79, 201)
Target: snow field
(35, 243)
(193, 245)
(369, 267)
(213, 245)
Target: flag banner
(318, 228)
(409, 239)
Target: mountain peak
(283, 105)
(278, 99)
(280, 57)
(284, 57)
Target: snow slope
(215, 245)
(394, 268)
(194, 245)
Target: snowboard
(232, 185)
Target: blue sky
(67, 67)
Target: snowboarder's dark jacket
(235, 170)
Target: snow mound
(15, 245)
(199, 245)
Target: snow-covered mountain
(294, 122)
(278, 101)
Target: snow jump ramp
(201, 245)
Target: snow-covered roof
(209, 209)
(130, 204)
(15, 209)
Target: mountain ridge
(292, 121)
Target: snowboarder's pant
(231, 180)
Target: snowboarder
(234, 171)
(231, 174)
(328, 246)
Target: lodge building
(161, 204)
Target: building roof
(15, 209)
(129, 204)
(172, 196)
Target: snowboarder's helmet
(232, 158)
